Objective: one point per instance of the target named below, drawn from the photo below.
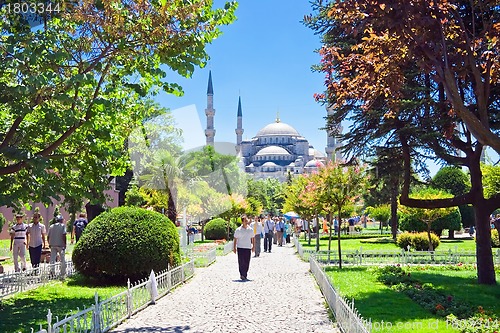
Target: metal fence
(228, 247)
(13, 282)
(104, 315)
(378, 257)
(347, 317)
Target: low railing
(347, 317)
(103, 316)
(228, 247)
(13, 282)
(378, 257)
(204, 258)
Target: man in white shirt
(35, 239)
(18, 242)
(258, 231)
(243, 246)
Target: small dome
(291, 165)
(250, 165)
(314, 164)
(269, 164)
(272, 150)
(278, 128)
(315, 153)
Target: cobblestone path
(280, 296)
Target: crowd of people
(34, 237)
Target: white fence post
(49, 321)
(153, 287)
(97, 315)
(129, 300)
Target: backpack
(80, 224)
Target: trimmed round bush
(417, 241)
(217, 229)
(127, 243)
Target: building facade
(277, 150)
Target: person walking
(35, 239)
(269, 232)
(57, 242)
(78, 226)
(280, 225)
(244, 246)
(18, 242)
(258, 231)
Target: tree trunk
(330, 222)
(338, 239)
(93, 211)
(171, 210)
(394, 211)
(485, 267)
(431, 247)
(317, 233)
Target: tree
(428, 216)
(75, 82)
(336, 186)
(269, 192)
(420, 75)
(380, 213)
(455, 181)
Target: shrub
(417, 241)
(126, 242)
(403, 240)
(217, 229)
(494, 238)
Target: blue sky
(265, 57)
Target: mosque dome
(314, 164)
(269, 165)
(277, 128)
(316, 153)
(272, 150)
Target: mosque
(277, 150)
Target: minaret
(210, 112)
(239, 127)
(332, 145)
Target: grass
(27, 310)
(391, 311)
(380, 245)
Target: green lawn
(27, 310)
(391, 311)
(366, 244)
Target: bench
(2, 259)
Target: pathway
(280, 296)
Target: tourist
(325, 226)
(258, 232)
(244, 246)
(269, 233)
(78, 226)
(57, 242)
(18, 242)
(286, 232)
(280, 225)
(35, 238)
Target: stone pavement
(280, 296)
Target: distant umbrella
(290, 215)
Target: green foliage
(495, 242)
(71, 91)
(467, 215)
(127, 242)
(270, 193)
(452, 180)
(393, 275)
(491, 179)
(217, 229)
(380, 213)
(133, 197)
(417, 241)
